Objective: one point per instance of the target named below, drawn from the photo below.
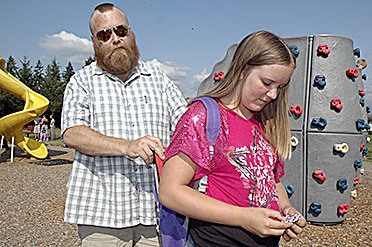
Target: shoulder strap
(213, 118)
(213, 129)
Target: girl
(44, 130)
(245, 203)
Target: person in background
(52, 128)
(37, 128)
(44, 137)
(244, 204)
(118, 113)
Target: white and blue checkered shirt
(117, 191)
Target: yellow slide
(12, 124)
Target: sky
(185, 38)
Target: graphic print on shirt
(253, 164)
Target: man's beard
(119, 59)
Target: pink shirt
(244, 168)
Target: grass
(56, 142)
(369, 146)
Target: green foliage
(89, 61)
(38, 76)
(369, 146)
(9, 103)
(50, 83)
(25, 73)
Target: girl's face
(262, 85)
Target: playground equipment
(329, 127)
(12, 124)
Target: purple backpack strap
(174, 233)
(213, 118)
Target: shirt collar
(136, 72)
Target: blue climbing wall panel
(328, 120)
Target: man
(117, 113)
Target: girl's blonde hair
(262, 48)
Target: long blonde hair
(262, 48)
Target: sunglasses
(105, 34)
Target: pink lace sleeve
(190, 137)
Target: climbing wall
(328, 120)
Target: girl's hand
(263, 222)
(293, 231)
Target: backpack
(173, 226)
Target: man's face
(118, 55)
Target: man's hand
(145, 147)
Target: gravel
(33, 196)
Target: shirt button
(133, 125)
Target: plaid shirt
(117, 191)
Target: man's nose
(115, 38)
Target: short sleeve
(190, 137)
(76, 103)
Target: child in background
(245, 203)
(44, 137)
(37, 128)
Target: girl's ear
(241, 76)
(243, 73)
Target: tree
(89, 61)
(9, 103)
(38, 76)
(68, 73)
(53, 88)
(25, 73)
(11, 66)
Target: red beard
(119, 59)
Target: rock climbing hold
(368, 109)
(353, 193)
(352, 73)
(364, 77)
(294, 141)
(297, 110)
(294, 50)
(362, 146)
(316, 208)
(342, 184)
(360, 124)
(343, 147)
(362, 101)
(357, 52)
(320, 81)
(358, 163)
(343, 209)
(361, 92)
(319, 122)
(290, 189)
(336, 104)
(356, 181)
(323, 50)
(218, 76)
(320, 175)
